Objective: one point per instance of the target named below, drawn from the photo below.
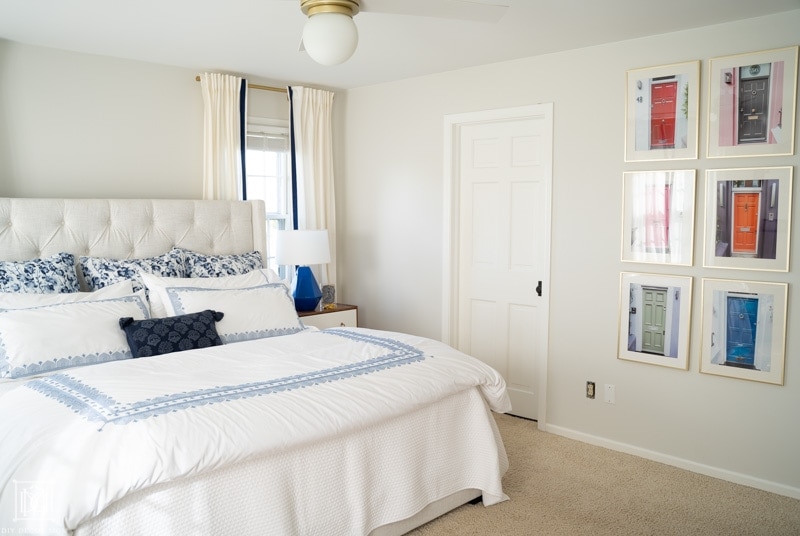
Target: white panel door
(504, 174)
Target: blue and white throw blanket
(88, 436)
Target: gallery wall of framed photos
(743, 220)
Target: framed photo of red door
(661, 112)
(748, 212)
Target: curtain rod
(256, 86)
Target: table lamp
(301, 249)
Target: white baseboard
(708, 470)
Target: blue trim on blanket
(95, 405)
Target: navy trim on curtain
(293, 159)
(243, 133)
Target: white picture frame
(744, 330)
(752, 98)
(748, 218)
(655, 319)
(658, 216)
(661, 112)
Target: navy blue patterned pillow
(51, 275)
(201, 265)
(156, 336)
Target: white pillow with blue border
(13, 300)
(157, 286)
(39, 340)
(250, 313)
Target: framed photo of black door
(752, 104)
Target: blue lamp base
(305, 290)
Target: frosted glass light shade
(302, 248)
(330, 38)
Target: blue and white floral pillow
(201, 265)
(100, 272)
(51, 275)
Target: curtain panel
(224, 128)
(312, 158)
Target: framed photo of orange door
(748, 213)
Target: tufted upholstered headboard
(128, 228)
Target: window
(267, 166)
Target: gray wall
(390, 222)
(78, 125)
(73, 125)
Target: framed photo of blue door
(744, 329)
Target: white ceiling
(260, 38)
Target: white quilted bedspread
(73, 443)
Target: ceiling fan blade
(473, 10)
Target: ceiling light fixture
(330, 36)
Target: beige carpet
(558, 486)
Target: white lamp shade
(330, 38)
(302, 248)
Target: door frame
(453, 123)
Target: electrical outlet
(590, 390)
(610, 394)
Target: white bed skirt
(448, 452)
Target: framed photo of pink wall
(752, 99)
(661, 112)
(658, 216)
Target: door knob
(539, 288)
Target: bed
(273, 428)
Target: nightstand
(342, 315)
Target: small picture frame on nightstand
(328, 297)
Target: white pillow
(42, 339)
(250, 313)
(157, 286)
(13, 300)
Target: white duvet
(73, 443)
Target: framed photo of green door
(654, 319)
(744, 329)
